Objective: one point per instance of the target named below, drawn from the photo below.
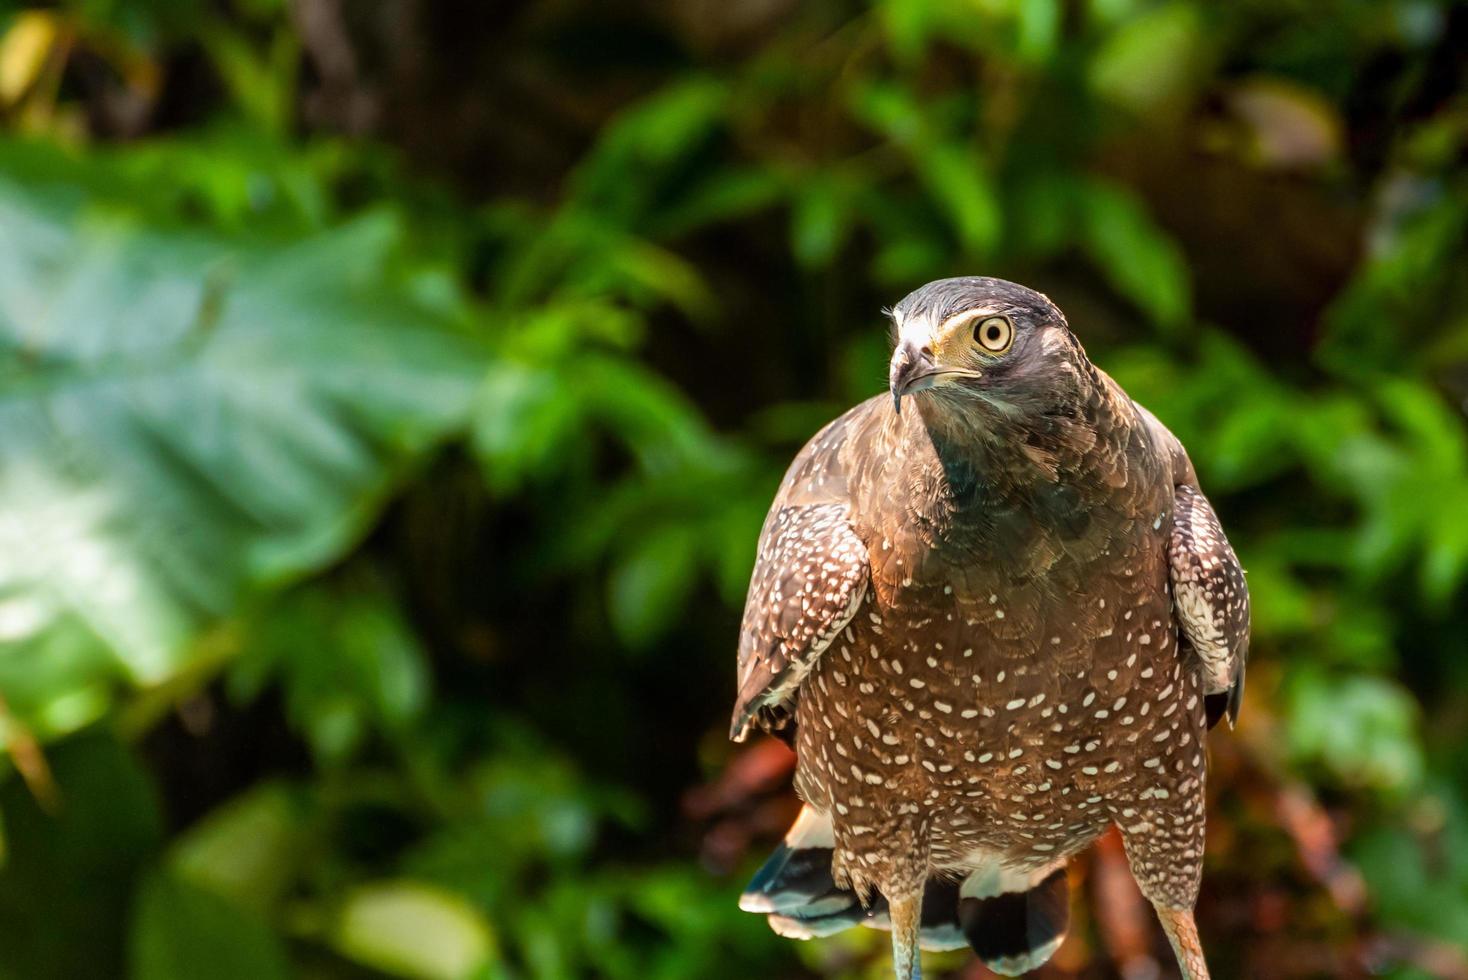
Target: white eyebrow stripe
(967, 316)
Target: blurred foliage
(391, 394)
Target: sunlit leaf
(409, 929)
(909, 24)
(186, 421)
(256, 77)
(24, 48)
(1038, 23)
(1290, 126)
(248, 850)
(1152, 59)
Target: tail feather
(795, 890)
(1013, 921)
(797, 877)
(796, 880)
(1016, 931)
(939, 929)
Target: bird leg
(906, 913)
(1182, 932)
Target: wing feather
(809, 579)
(1211, 596)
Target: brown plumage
(962, 618)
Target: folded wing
(809, 579)
(1211, 598)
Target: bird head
(978, 344)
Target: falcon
(994, 615)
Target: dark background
(391, 393)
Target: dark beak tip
(908, 364)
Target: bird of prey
(994, 615)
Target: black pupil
(993, 333)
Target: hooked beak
(912, 369)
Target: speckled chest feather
(1011, 682)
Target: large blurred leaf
(184, 420)
(226, 176)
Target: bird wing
(1210, 594)
(809, 578)
(1211, 597)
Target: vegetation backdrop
(391, 392)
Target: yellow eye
(994, 334)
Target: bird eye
(994, 334)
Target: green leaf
(819, 222)
(949, 167)
(1038, 23)
(1419, 881)
(347, 662)
(648, 587)
(1153, 59)
(523, 420)
(655, 420)
(650, 139)
(909, 24)
(721, 195)
(68, 875)
(1141, 262)
(1363, 729)
(957, 178)
(1403, 306)
(414, 930)
(261, 82)
(248, 850)
(185, 421)
(1282, 606)
(182, 932)
(226, 175)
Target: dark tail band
(1016, 932)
